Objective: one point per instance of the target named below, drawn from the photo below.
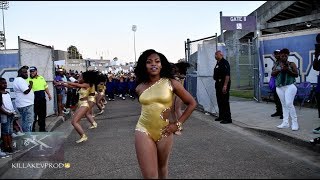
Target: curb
(279, 136)
(286, 138)
(58, 123)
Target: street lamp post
(4, 5)
(134, 29)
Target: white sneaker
(14, 135)
(20, 133)
(123, 98)
(100, 112)
(66, 112)
(295, 127)
(283, 125)
(3, 155)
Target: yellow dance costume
(101, 89)
(83, 93)
(92, 98)
(155, 100)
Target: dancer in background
(85, 82)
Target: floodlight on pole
(4, 5)
(134, 29)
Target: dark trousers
(111, 95)
(277, 102)
(72, 98)
(40, 113)
(318, 102)
(223, 101)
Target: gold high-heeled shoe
(94, 125)
(82, 139)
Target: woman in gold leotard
(154, 132)
(86, 80)
(92, 102)
(101, 88)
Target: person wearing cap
(40, 88)
(277, 101)
(286, 73)
(61, 90)
(24, 100)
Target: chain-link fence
(200, 55)
(240, 57)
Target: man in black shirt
(222, 77)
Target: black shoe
(316, 130)
(275, 114)
(315, 141)
(281, 116)
(226, 121)
(218, 119)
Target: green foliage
(73, 53)
(248, 94)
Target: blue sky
(104, 28)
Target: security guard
(222, 77)
(40, 87)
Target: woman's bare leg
(164, 147)
(81, 111)
(146, 151)
(89, 113)
(99, 104)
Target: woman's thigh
(146, 151)
(164, 147)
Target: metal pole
(188, 49)
(237, 59)
(249, 55)
(4, 32)
(134, 45)
(185, 51)
(216, 42)
(221, 30)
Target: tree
(73, 53)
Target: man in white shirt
(24, 98)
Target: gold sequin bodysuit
(155, 100)
(92, 91)
(83, 93)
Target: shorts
(63, 93)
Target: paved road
(207, 149)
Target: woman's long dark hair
(141, 70)
(90, 77)
(182, 66)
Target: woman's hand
(169, 129)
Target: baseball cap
(276, 51)
(32, 68)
